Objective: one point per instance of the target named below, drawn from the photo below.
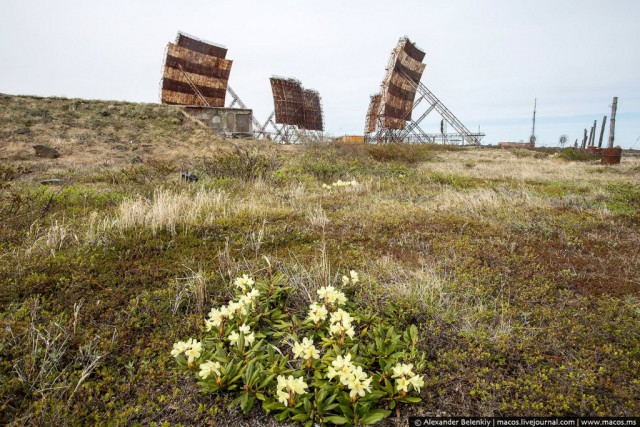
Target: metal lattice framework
(287, 101)
(389, 116)
(297, 115)
(196, 73)
(312, 106)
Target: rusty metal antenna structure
(297, 116)
(196, 77)
(389, 116)
(196, 73)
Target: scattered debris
(23, 131)
(135, 160)
(46, 151)
(189, 177)
(53, 181)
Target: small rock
(136, 160)
(46, 151)
(23, 131)
(188, 176)
(52, 182)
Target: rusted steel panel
(180, 98)
(413, 51)
(312, 110)
(192, 63)
(372, 113)
(203, 82)
(184, 87)
(220, 71)
(196, 45)
(287, 101)
(197, 63)
(407, 65)
(399, 86)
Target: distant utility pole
(533, 129)
(592, 133)
(612, 126)
(604, 123)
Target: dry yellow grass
(503, 165)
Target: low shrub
(575, 155)
(330, 367)
(243, 164)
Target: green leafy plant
(330, 367)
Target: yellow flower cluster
(340, 324)
(249, 337)
(191, 349)
(288, 387)
(350, 375)
(242, 307)
(317, 312)
(331, 296)
(340, 183)
(403, 373)
(208, 368)
(244, 282)
(330, 299)
(352, 278)
(305, 350)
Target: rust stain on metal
(312, 110)
(611, 156)
(287, 100)
(399, 86)
(394, 104)
(372, 113)
(193, 74)
(295, 105)
(196, 45)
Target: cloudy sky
(487, 60)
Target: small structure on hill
(350, 139)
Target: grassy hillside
(521, 270)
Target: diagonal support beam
(444, 112)
(193, 86)
(415, 123)
(236, 99)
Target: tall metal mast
(533, 130)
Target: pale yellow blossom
(288, 387)
(179, 348)
(195, 348)
(233, 337)
(209, 368)
(417, 382)
(402, 369)
(243, 282)
(402, 384)
(317, 312)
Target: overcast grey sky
(486, 59)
